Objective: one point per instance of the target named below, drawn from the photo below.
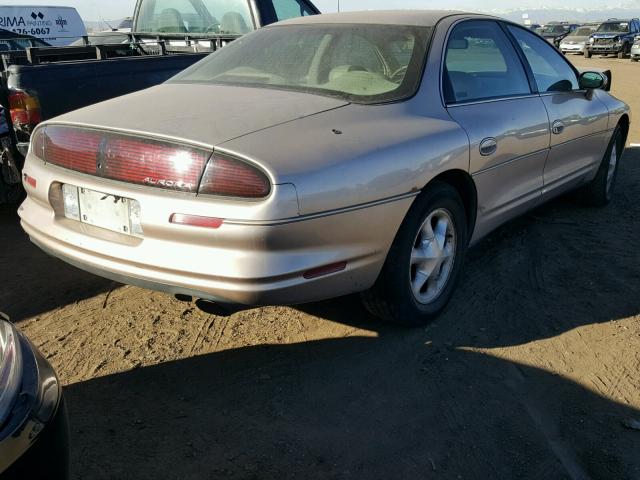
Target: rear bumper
(248, 262)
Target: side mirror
(592, 81)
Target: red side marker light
(325, 270)
(30, 180)
(196, 221)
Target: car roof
(420, 18)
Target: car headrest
(233, 22)
(170, 21)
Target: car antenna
(108, 25)
(105, 22)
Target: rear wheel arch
(623, 123)
(466, 188)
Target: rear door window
(481, 64)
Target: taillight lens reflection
(69, 148)
(151, 162)
(122, 157)
(233, 178)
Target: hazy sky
(114, 9)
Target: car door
(487, 92)
(579, 120)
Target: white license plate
(104, 210)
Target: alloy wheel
(433, 256)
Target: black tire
(634, 59)
(599, 192)
(391, 298)
(588, 53)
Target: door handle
(558, 127)
(488, 146)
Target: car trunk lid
(205, 115)
(164, 137)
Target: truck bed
(66, 86)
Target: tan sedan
(355, 152)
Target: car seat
(233, 22)
(170, 21)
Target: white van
(57, 26)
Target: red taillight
(233, 178)
(25, 110)
(122, 157)
(149, 162)
(69, 148)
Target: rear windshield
(359, 63)
(231, 17)
(622, 27)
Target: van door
(488, 93)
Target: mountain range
(544, 15)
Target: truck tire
(425, 260)
(599, 191)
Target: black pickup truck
(39, 83)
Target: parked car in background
(262, 174)
(613, 37)
(34, 438)
(576, 41)
(554, 33)
(126, 25)
(56, 26)
(534, 26)
(635, 49)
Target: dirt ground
(532, 372)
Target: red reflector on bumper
(196, 221)
(325, 270)
(30, 180)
